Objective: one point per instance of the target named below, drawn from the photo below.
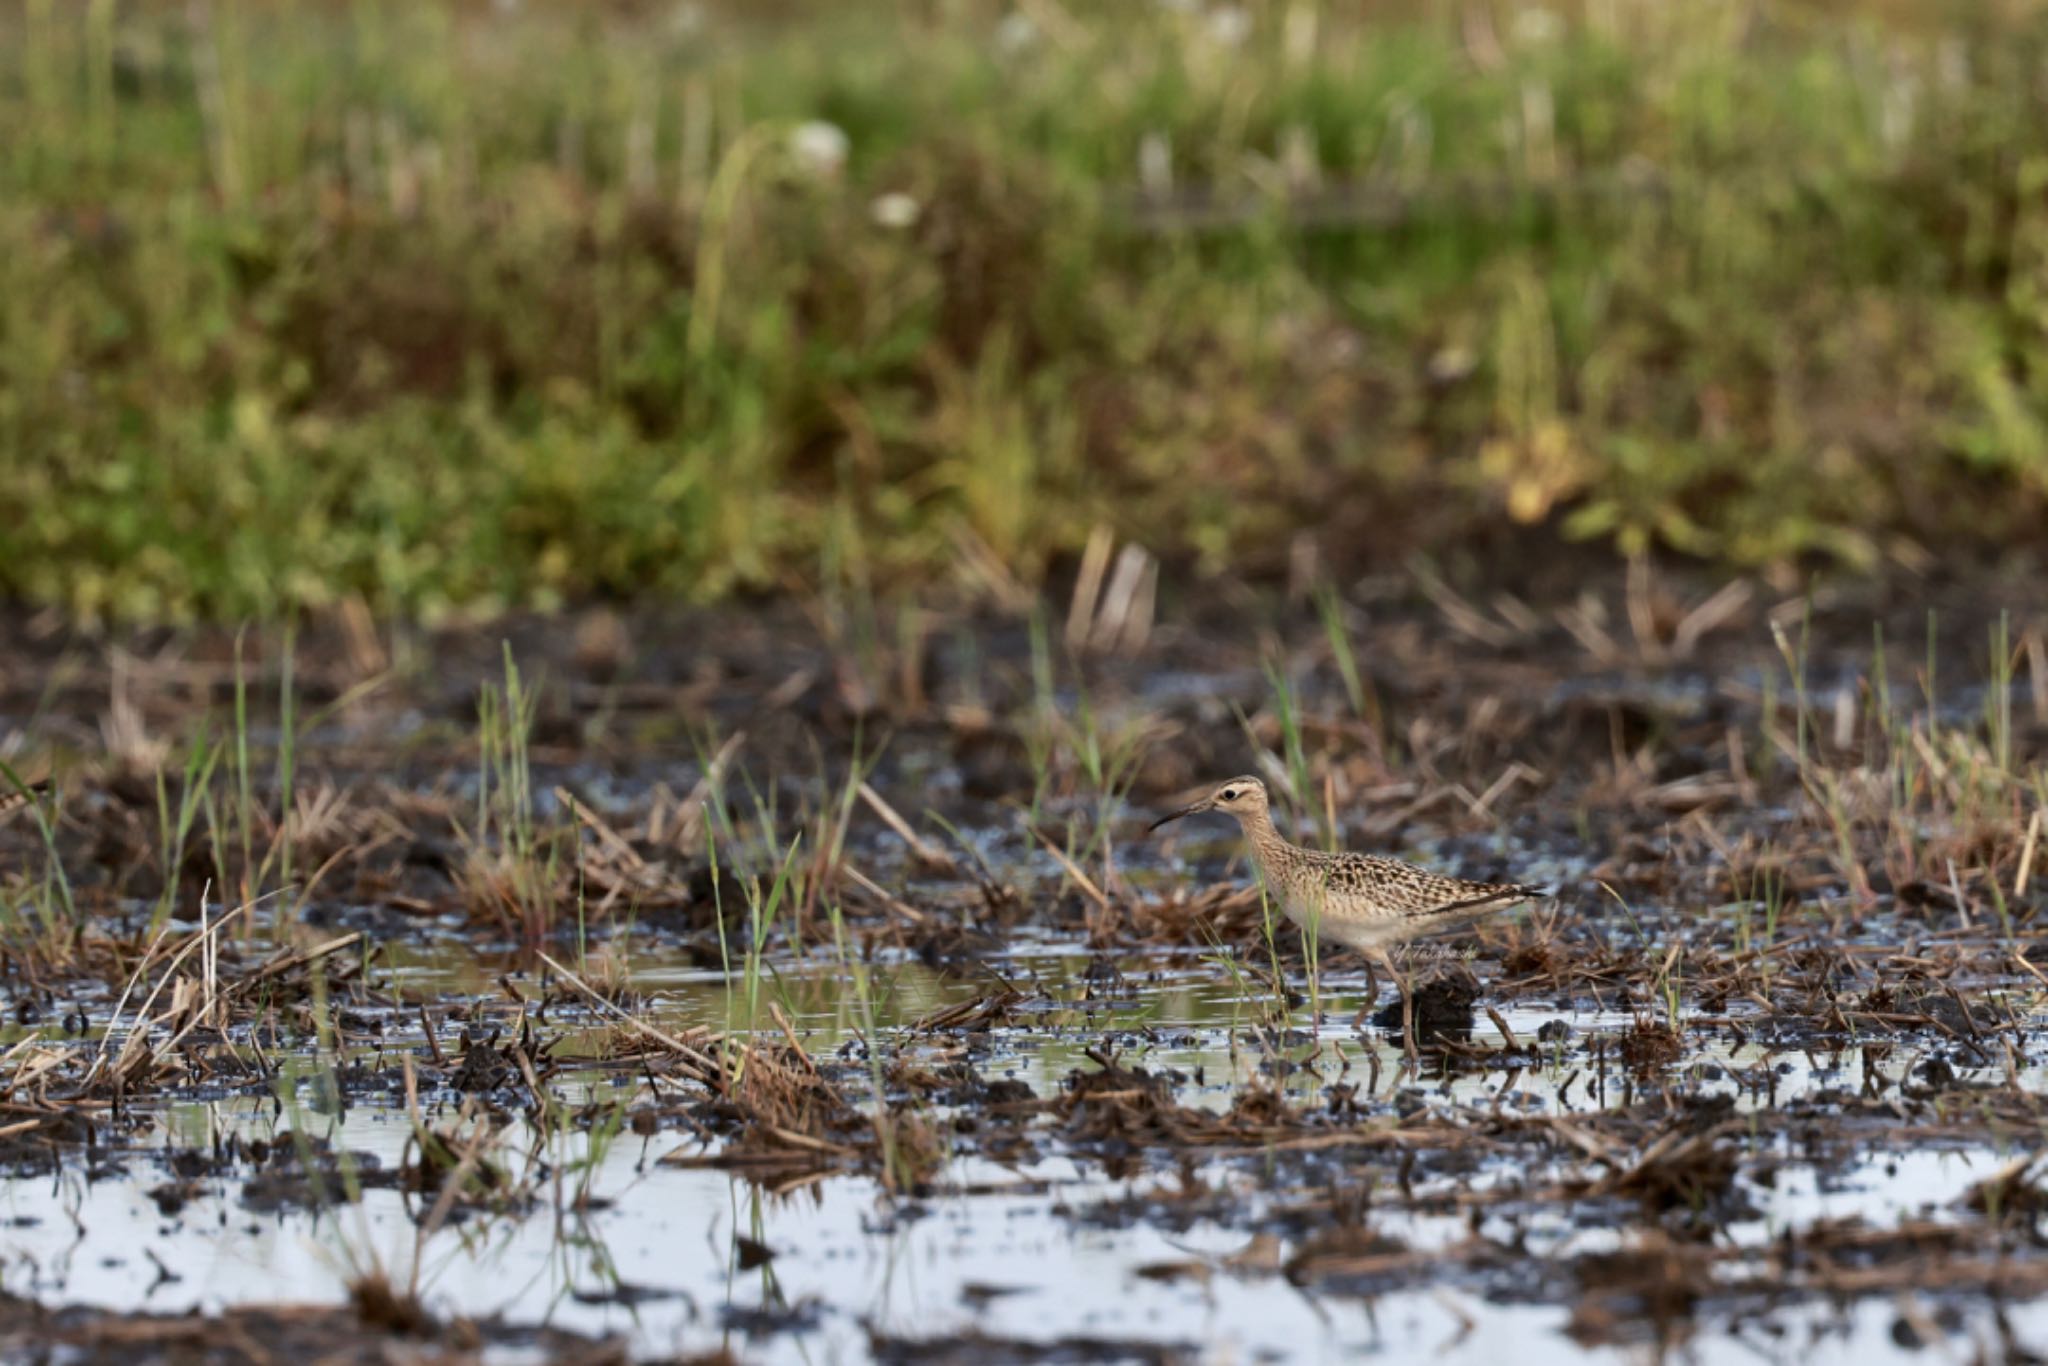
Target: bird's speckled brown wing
(1393, 888)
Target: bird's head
(1241, 797)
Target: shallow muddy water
(657, 1019)
(1017, 1257)
(1037, 1251)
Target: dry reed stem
(699, 1065)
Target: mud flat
(778, 985)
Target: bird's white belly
(1358, 932)
(1370, 931)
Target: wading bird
(1360, 900)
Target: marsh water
(1034, 1251)
(1040, 1251)
(1760, 1082)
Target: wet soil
(366, 1330)
(776, 983)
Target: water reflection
(682, 1258)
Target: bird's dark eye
(1229, 794)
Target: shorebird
(1360, 900)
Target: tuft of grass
(1364, 702)
(57, 922)
(514, 868)
(1924, 795)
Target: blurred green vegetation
(466, 306)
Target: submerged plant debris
(629, 986)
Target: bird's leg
(1407, 1007)
(1372, 990)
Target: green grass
(453, 309)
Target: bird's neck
(1268, 844)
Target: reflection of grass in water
(743, 1018)
(854, 974)
(691, 995)
(830, 1007)
(1243, 991)
(350, 1244)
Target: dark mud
(772, 982)
(368, 1330)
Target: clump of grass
(762, 910)
(385, 1306)
(1915, 795)
(514, 869)
(44, 926)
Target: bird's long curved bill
(1196, 809)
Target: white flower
(1229, 26)
(1016, 33)
(894, 210)
(819, 147)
